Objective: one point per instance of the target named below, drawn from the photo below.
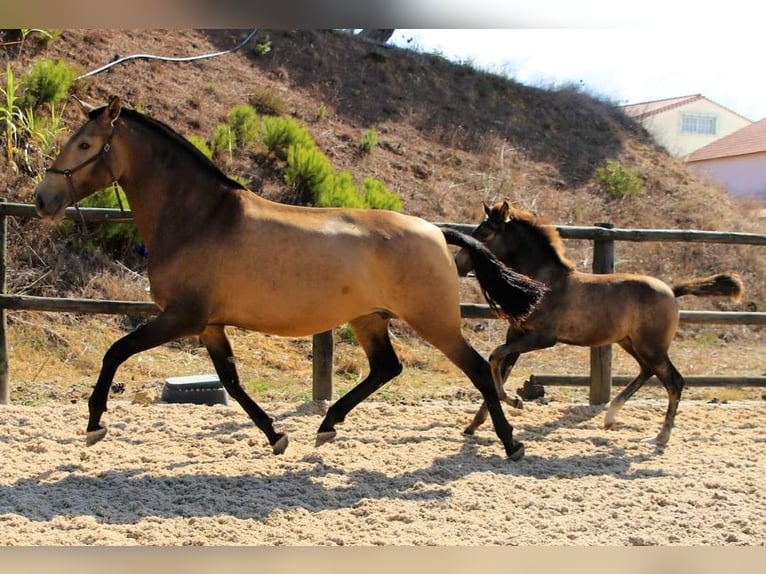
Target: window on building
(698, 124)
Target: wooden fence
(603, 235)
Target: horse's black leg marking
(172, 323)
(219, 348)
(481, 375)
(481, 415)
(372, 334)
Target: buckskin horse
(638, 312)
(221, 255)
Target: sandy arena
(396, 475)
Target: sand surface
(395, 475)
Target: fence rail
(600, 379)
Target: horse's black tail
(721, 285)
(508, 293)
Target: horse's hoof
(661, 439)
(92, 437)
(281, 445)
(469, 431)
(326, 436)
(518, 452)
(516, 403)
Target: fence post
(5, 391)
(322, 349)
(601, 357)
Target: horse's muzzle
(49, 203)
(464, 262)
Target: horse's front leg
(218, 347)
(172, 323)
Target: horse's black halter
(101, 154)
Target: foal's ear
(505, 211)
(85, 107)
(113, 109)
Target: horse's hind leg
(674, 385)
(502, 360)
(171, 324)
(630, 389)
(372, 333)
(659, 364)
(446, 336)
(505, 366)
(218, 347)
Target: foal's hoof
(515, 403)
(92, 437)
(469, 430)
(517, 453)
(325, 436)
(281, 445)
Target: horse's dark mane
(544, 233)
(165, 129)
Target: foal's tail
(508, 293)
(721, 285)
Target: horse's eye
(84, 145)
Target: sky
(621, 63)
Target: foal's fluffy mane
(157, 125)
(543, 231)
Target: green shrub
(244, 123)
(369, 141)
(113, 237)
(222, 140)
(307, 168)
(47, 81)
(618, 180)
(201, 145)
(280, 133)
(10, 112)
(338, 190)
(262, 48)
(377, 196)
(21, 123)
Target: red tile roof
(645, 109)
(750, 139)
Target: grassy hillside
(449, 137)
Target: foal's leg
(478, 370)
(481, 415)
(172, 323)
(630, 389)
(657, 363)
(674, 385)
(218, 347)
(372, 333)
(502, 360)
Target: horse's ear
(487, 209)
(505, 211)
(113, 109)
(85, 107)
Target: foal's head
(518, 238)
(84, 164)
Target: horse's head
(491, 233)
(84, 164)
